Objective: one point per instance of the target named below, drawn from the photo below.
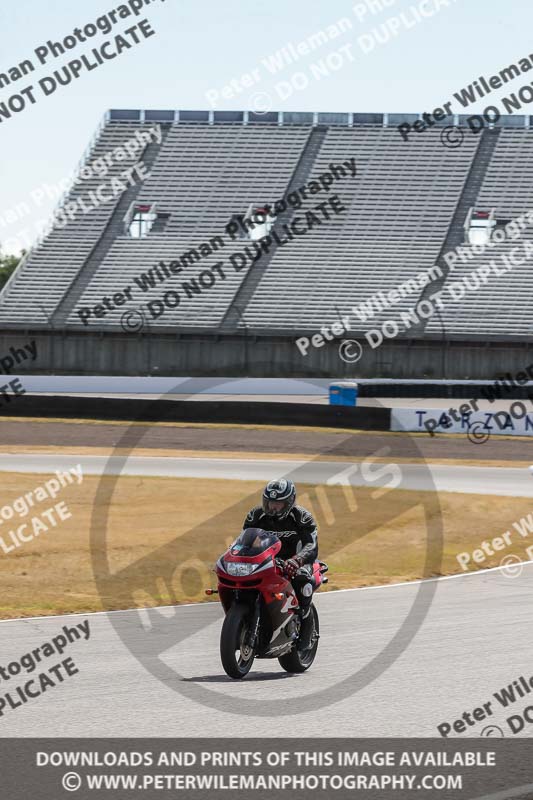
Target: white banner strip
(516, 421)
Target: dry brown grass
(164, 535)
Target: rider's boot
(306, 630)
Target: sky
(391, 56)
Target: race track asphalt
(515, 482)
(393, 661)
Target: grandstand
(403, 211)
(503, 306)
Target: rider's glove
(292, 566)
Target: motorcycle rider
(297, 531)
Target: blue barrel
(343, 393)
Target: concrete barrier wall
(317, 387)
(91, 353)
(235, 412)
(110, 384)
(276, 413)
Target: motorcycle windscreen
(253, 541)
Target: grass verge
(177, 527)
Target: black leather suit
(298, 535)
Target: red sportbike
(263, 617)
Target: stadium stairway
(300, 177)
(113, 229)
(468, 199)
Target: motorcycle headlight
(237, 568)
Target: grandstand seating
(503, 306)
(201, 177)
(400, 209)
(38, 287)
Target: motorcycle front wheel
(236, 655)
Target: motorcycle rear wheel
(300, 660)
(237, 657)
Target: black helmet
(279, 497)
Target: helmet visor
(275, 508)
